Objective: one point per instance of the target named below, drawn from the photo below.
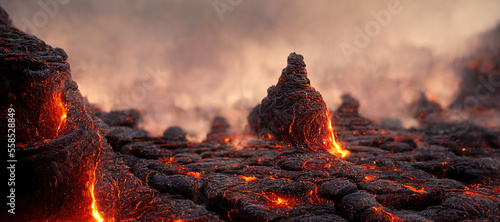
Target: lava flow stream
(335, 148)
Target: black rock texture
(293, 111)
(439, 172)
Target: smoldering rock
(405, 175)
(219, 125)
(129, 118)
(337, 188)
(219, 130)
(354, 204)
(347, 116)
(426, 110)
(458, 136)
(119, 136)
(4, 17)
(480, 75)
(391, 123)
(146, 150)
(176, 184)
(444, 213)
(293, 111)
(474, 207)
(175, 134)
(397, 147)
(322, 218)
(471, 170)
(253, 119)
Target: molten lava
(63, 111)
(279, 201)
(247, 179)
(95, 212)
(421, 190)
(335, 148)
(93, 181)
(390, 216)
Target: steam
(180, 64)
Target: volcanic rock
(426, 110)
(337, 188)
(130, 117)
(293, 111)
(175, 134)
(480, 75)
(63, 159)
(219, 130)
(440, 172)
(347, 116)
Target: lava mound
(293, 110)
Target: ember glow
(391, 217)
(247, 179)
(421, 190)
(279, 201)
(62, 111)
(293, 159)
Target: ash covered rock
(293, 110)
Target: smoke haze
(182, 64)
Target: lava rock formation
(293, 110)
(73, 164)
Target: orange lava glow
(194, 174)
(95, 212)
(392, 217)
(335, 148)
(370, 178)
(166, 161)
(421, 190)
(93, 181)
(247, 179)
(279, 201)
(64, 113)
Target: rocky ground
(74, 159)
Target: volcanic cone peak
(4, 17)
(294, 75)
(293, 111)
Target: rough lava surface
(293, 111)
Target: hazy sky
(183, 62)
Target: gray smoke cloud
(184, 62)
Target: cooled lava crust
(69, 153)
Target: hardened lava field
(79, 163)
